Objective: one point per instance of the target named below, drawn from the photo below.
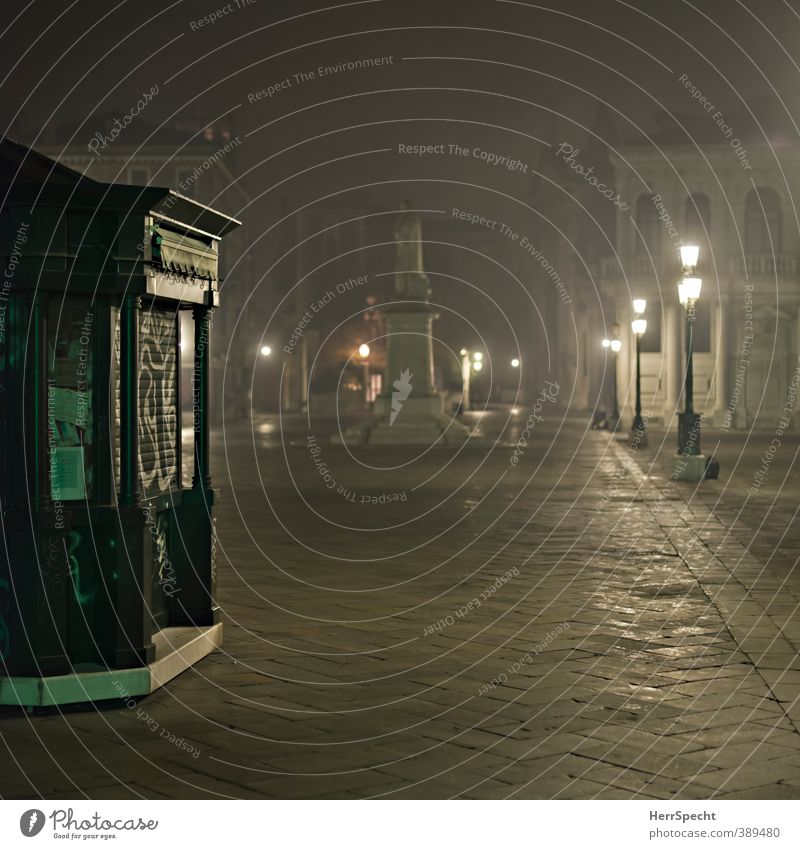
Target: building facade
(747, 326)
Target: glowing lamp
(689, 255)
(689, 290)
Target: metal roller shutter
(158, 400)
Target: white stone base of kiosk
(177, 648)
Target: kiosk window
(70, 411)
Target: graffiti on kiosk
(158, 402)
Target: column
(797, 338)
(722, 358)
(673, 362)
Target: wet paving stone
(555, 629)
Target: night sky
(510, 78)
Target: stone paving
(571, 626)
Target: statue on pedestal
(409, 411)
(410, 280)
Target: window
(186, 401)
(696, 219)
(139, 176)
(185, 178)
(648, 239)
(70, 410)
(762, 221)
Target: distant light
(606, 343)
(477, 365)
(463, 352)
(639, 306)
(515, 363)
(639, 326)
(689, 255)
(477, 356)
(514, 411)
(363, 350)
(265, 350)
(616, 345)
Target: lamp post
(614, 344)
(690, 464)
(688, 421)
(688, 294)
(639, 327)
(363, 353)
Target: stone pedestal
(420, 421)
(410, 411)
(409, 345)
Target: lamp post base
(638, 434)
(689, 434)
(689, 467)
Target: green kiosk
(107, 563)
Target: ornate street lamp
(639, 327)
(690, 464)
(688, 295)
